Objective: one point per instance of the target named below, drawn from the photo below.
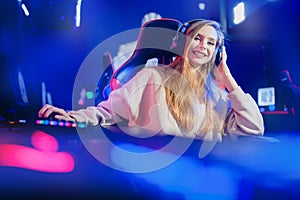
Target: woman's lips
(199, 54)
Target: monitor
(266, 96)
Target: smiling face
(202, 46)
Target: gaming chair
(103, 87)
(291, 93)
(154, 41)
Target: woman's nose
(202, 44)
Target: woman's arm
(223, 75)
(131, 102)
(59, 113)
(244, 117)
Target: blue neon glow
(189, 178)
(272, 107)
(22, 121)
(262, 109)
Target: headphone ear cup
(218, 59)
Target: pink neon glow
(81, 102)
(68, 124)
(44, 142)
(45, 158)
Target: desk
(278, 121)
(253, 168)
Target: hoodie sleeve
(125, 103)
(244, 117)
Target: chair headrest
(154, 41)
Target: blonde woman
(192, 97)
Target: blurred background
(44, 42)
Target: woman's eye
(197, 38)
(211, 43)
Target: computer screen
(266, 96)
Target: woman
(192, 97)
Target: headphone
(178, 43)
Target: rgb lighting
(60, 123)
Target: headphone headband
(181, 34)
(186, 25)
(176, 44)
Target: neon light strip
(60, 123)
(78, 13)
(26, 12)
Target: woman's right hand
(59, 113)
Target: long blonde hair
(189, 84)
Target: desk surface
(249, 169)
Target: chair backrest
(103, 86)
(154, 41)
(291, 92)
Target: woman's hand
(60, 114)
(223, 75)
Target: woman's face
(202, 46)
